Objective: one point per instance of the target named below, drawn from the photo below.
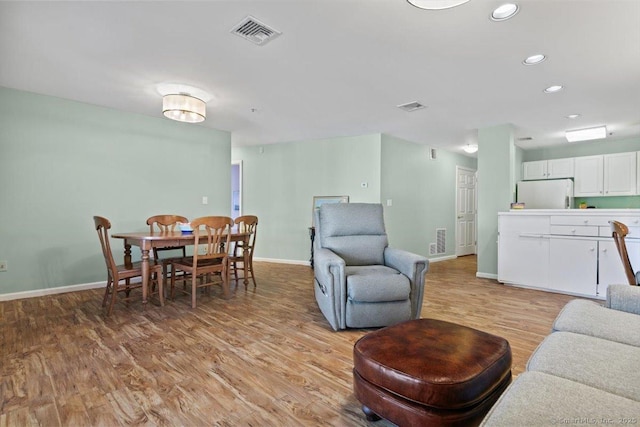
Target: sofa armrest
(414, 267)
(623, 298)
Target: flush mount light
(436, 4)
(573, 116)
(599, 132)
(470, 148)
(534, 59)
(504, 12)
(184, 108)
(553, 89)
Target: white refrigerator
(545, 194)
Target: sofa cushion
(599, 363)
(376, 283)
(538, 399)
(589, 318)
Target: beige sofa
(587, 371)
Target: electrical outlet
(3, 266)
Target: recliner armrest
(623, 298)
(414, 267)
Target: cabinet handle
(591, 249)
(573, 230)
(604, 250)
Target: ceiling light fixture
(534, 59)
(553, 89)
(504, 12)
(184, 108)
(599, 132)
(573, 116)
(436, 4)
(470, 148)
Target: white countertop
(591, 212)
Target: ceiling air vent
(411, 106)
(255, 31)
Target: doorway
(466, 211)
(236, 188)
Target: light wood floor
(267, 357)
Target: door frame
(239, 164)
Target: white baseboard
(283, 261)
(481, 275)
(51, 291)
(443, 258)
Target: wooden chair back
(248, 224)
(212, 234)
(619, 231)
(102, 227)
(164, 223)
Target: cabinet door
(523, 250)
(573, 265)
(560, 168)
(610, 268)
(589, 173)
(620, 174)
(534, 170)
(523, 260)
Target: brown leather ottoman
(430, 372)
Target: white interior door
(466, 211)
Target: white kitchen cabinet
(606, 175)
(567, 251)
(523, 250)
(620, 174)
(548, 169)
(589, 176)
(573, 265)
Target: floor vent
(439, 247)
(255, 31)
(411, 106)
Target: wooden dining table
(147, 240)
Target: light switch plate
(3, 266)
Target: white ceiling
(340, 67)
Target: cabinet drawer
(575, 230)
(634, 232)
(578, 220)
(523, 224)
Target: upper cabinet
(606, 175)
(548, 169)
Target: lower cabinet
(573, 265)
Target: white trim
(443, 258)
(283, 261)
(51, 291)
(240, 191)
(486, 276)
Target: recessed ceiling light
(599, 132)
(534, 59)
(573, 116)
(553, 89)
(504, 12)
(436, 4)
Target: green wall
(497, 175)
(423, 194)
(61, 162)
(280, 180)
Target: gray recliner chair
(359, 281)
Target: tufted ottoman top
(433, 362)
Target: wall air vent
(255, 31)
(411, 106)
(525, 138)
(439, 247)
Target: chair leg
(161, 288)
(194, 288)
(106, 291)
(250, 269)
(114, 293)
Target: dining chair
(245, 224)
(165, 224)
(619, 231)
(210, 260)
(119, 276)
